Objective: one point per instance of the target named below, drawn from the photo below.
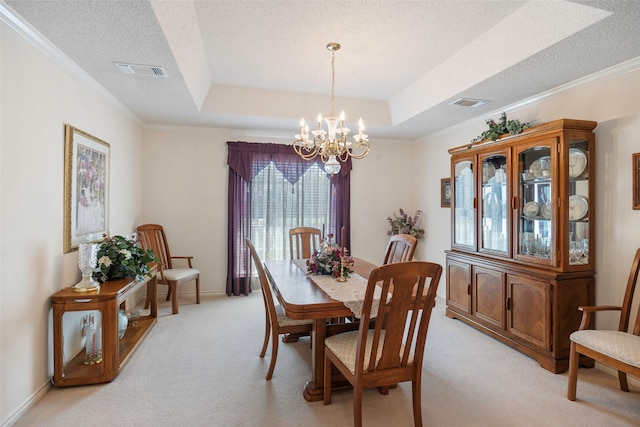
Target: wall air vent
(141, 70)
(468, 102)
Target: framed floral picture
(445, 192)
(86, 188)
(636, 181)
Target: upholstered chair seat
(622, 346)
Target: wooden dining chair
(152, 236)
(277, 323)
(399, 299)
(303, 241)
(400, 248)
(618, 349)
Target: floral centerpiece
(405, 224)
(120, 257)
(329, 260)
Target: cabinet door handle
(507, 303)
(469, 289)
(514, 202)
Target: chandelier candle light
(334, 147)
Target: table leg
(313, 390)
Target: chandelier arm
(360, 155)
(305, 152)
(344, 156)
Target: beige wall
(37, 97)
(181, 183)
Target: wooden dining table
(302, 299)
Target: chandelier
(331, 144)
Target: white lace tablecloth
(350, 293)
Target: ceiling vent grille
(468, 102)
(141, 70)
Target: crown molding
(24, 29)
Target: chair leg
(198, 290)
(326, 393)
(174, 297)
(168, 294)
(267, 333)
(357, 405)
(274, 354)
(573, 372)
(416, 385)
(622, 377)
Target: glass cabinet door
(464, 218)
(494, 216)
(536, 205)
(579, 209)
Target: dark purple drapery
(245, 161)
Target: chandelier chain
(333, 80)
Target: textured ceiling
(261, 65)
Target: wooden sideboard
(115, 352)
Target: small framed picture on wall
(445, 192)
(636, 181)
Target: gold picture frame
(86, 188)
(636, 181)
(445, 193)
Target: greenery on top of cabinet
(504, 126)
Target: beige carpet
(201, 368)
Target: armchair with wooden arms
(618, 349)
(152, 236)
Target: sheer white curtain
(278, 205)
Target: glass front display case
(527, 198)
(495, 203)
(464, 193)
(579, 211)
(536, 214)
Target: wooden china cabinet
(522, 255)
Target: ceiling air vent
(468, 102)
(141, 70)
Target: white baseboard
(33, 399)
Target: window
(272, 189)
(278, 205)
